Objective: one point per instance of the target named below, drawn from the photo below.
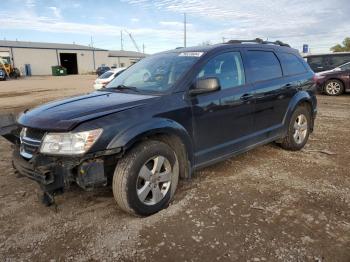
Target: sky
(158, 25)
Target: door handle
(245, 97)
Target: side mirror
(205, 85)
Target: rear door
(272, 92)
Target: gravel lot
(265, 205)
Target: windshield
(345, 66)
(106, 75)
(156, 73)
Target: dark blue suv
(165, 117)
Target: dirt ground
(265, 205)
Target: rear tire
(145, 179)
(298, 129)
(333, 87)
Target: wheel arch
(298, 100)
(333, 78)
(165, 130)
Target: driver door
(223, 120)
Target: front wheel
(145, 179)
(298, 129)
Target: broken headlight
(69, 143)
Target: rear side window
(291, 64)
(263, 65)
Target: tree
(342, 48)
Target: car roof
(116, 70)
(208, 48)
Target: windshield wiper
(123, 87)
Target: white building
(124, 58)
(35, 58)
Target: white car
(107, 77)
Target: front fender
(297, 99)
(150, 127)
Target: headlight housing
(69, 143)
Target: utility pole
(143, 48)
(121, 39)
(93, 52)
(185, 30)
(91, 42)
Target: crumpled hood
(64, 115)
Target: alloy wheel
(154, 180)
(300, 129)
(333, 88)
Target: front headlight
(69, 143)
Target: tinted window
(334, 61)
(345, 67)
(263, 65)
(315, 62)
(227, 67)
(291, 64)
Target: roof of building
(123, 53)
(41, 45)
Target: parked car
(334, 82)
(102, 69)
(323, 62)
(163, 118)
(107, 77)
(2, 75)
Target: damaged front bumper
(56, 173)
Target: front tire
(298, 129)
(333, 87)
(145, 179)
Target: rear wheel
(145, 179)
(298, 129)
(334, 87)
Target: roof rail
(258, 41)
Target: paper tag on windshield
(195, 54)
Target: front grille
(35, 134)
(30, 142)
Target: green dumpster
(59, 71)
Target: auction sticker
(195, 54)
